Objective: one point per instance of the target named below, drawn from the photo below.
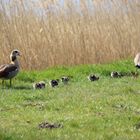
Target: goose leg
(2, 82)
(136, 69)
(10, 82)
(136, 73)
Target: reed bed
(52, 33)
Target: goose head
(14, 54)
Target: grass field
(107, 109)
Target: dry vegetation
(54, 33)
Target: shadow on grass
(17, 87)
(22, 88)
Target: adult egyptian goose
(137, 60)
(9, 71)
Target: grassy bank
(107, 109)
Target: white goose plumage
(137, 60)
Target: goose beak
(19, 54)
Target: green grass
(107, 109)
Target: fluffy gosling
(65, 80)
(54, 83)
(115, 74)
(39, 85)
(93, 77)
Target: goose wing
(2, 66)
(7, 69)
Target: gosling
(93, 77)
(39, 85)
(54, 83)
(115, 74)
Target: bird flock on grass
(9, 71)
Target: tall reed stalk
(50, 33)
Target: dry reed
(53, 33)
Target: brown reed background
(69, 35)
